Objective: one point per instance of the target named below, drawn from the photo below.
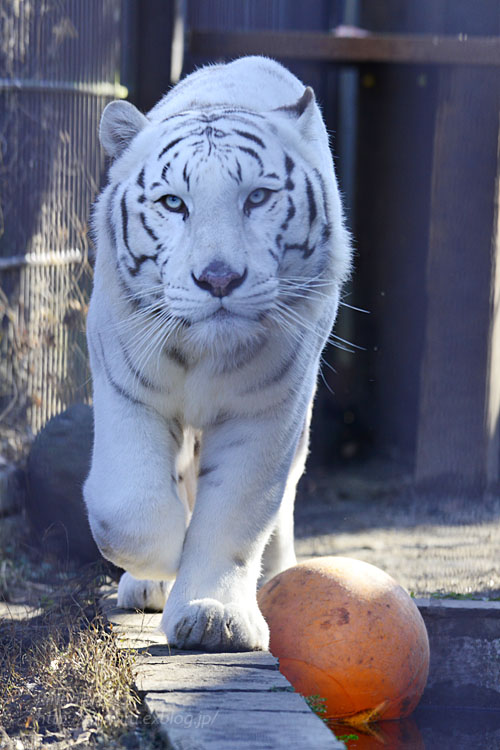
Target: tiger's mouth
(227, 318)
(224, 314)
(225, 330)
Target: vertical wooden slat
(452, 440)
(152, 52)
(492, 416)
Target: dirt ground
(431, 545)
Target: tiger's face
(216, 222)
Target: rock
(58, 465)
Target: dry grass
(63, 679)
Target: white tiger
(221, 252)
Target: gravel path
(430, 545)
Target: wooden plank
(452, 436)
(133, 629)
(233, 721)
(254, 659)
(328, 47)
(172, 673)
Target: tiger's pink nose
(219, 279)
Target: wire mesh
(59, 66)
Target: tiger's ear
(120, 123)
(302, 110)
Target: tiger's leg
(244, 468)
(134, 593)
(144, 594)
(279, 553)
(136, 515)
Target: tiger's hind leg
(134, 593)
(187, 467)
(279, 553)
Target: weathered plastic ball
(346, 631)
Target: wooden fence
(419, 155)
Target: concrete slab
(464, 637)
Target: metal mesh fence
(59, 66)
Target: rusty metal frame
(351, 49)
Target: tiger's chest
(206, 392)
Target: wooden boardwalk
(216, 701)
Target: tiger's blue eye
(257, 198)
(174, 204)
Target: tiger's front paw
(134, 593)
(208, 625)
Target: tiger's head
(223, 218)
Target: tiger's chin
(225, 335)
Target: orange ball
(346, 631)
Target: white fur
(241, 382)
